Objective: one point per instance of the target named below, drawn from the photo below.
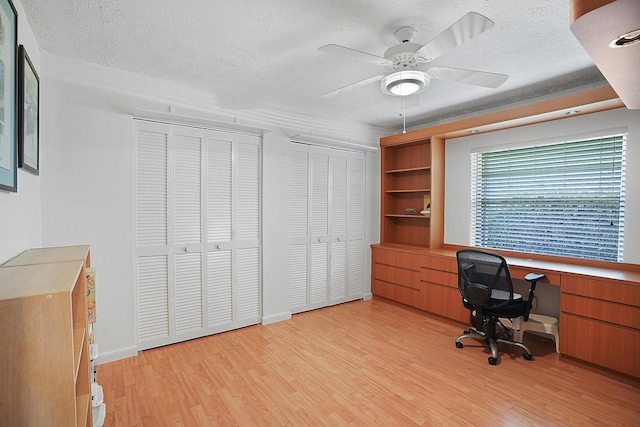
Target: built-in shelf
(422, 168)
(405, 187)
(408, 216)
(417, 190)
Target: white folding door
(198, 260)
(326, 220)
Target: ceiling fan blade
(464, 29)
(352, 86)
(471, 77)
(354, 54)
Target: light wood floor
(366, 363)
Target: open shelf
(405, 170)
(408, 216)
(406, 183)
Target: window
(557, 198)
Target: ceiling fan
(405, 58)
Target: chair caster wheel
(493, 361)
(459, 345)
(527, 356)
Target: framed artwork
(28, 114)
(8, 50)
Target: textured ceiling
(264, 53)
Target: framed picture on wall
(8, 141)
(28, 114)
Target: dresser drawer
(397, 258)
(439, 277)
(601, 289)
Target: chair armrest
(533, 277)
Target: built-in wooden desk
(599, 302)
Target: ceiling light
(404, 83)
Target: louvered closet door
(338, 167)
(219, 201)
(319, 163)
(326, 217)
(247, 226)
(198, 232)
(355, 227)
(299, 228)
(233, 230)
(187, 232)
(152, 235)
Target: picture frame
(8, 120)
(28, 114)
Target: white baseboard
(112, 356)
(367, 296)
(278, 317)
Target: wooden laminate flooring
(365, 363)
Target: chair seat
(537, 323)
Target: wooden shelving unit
(407, 179)
(43, 322)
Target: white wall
(458, 169)
(20, 213)
(88, 194)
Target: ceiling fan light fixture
(405, 83)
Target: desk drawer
(401, 276)
(393, 291)
(440, 263)
(600, 343)
(440, 277)
(397, 258)
(600, 289)
(606, 311)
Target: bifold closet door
(192, 241)
(326, 220)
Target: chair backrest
(479, 274)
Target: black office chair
(485, 284)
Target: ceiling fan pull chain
(404, 114)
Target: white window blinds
(560, 199)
